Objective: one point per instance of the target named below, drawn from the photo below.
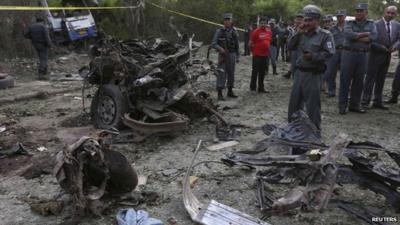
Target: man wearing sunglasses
(314, 46)
(359, 34)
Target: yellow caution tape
(39, 8)
(192, 17)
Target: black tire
(108, 107)
(7, 82)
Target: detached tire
(108, 107)
(7, 82)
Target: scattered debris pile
(146, 85)
(213, 213)
(90, 169)
(318, 170)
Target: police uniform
(273, 48)
(328, 20)
(39, 35)
(226, 39)
(334, 62)
(293, 53)
(306, 86)
(354, 62)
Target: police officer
(247, 34)
(328, 22)
(273, 48)
(226, 42)
(39, 35)
(314, 47)
(298, 27)
(327, 25)
(359, 34)
(334, 63)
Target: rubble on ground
(318, 169)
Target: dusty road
(58, 119)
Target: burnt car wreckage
(146, 85)
(319, 170)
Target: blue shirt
(338, 36)
(353, 28)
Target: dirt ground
(59, 119)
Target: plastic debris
(131, 217)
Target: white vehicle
(70, 25)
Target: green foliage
(54, 3)
(157, 21)
(108, 3)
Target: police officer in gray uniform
(359, 34)
(334, 63)
(298, 26)
(226, 42)
(39, 35)
(314, 47)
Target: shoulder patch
(325, 31)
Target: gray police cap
(328, 17)
(312, 12)
(341, 12)
(363, 6)
(300, 14)
(228, 16)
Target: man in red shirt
(259, 42)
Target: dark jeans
(258, 72)
(42, 52)
(378, 66)
(246, 46)
(281, 50)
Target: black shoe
(364, 104)
(287, 75)
(220, 96)
(274, 70)
(262, 91)
(357, 110)
(231, 94)
(342, 111)
(380, 106)
(392, 100)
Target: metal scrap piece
(174, 123)
(214, 213)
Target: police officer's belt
(356, 49)
(316, 70)
(339, 47)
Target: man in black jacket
(39, 35)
